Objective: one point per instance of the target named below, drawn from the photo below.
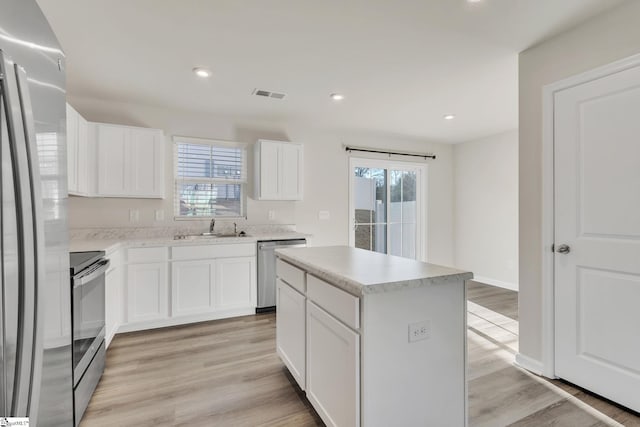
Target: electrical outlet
(159, 215)
(419, 331)
(272, 215)
(134, 215)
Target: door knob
(563, 249)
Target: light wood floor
(226, 373)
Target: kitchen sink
(228, 234)
(208, 235)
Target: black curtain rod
(396, 153)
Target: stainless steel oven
(88, 324)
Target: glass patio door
(387, 207)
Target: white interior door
(597, 217)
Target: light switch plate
(159, 215)
(134, 215)
(271, 215)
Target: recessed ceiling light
(337, 96)
(449, 116)
(474, 1)
(202, 72)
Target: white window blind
(210, 178)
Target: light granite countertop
(110, 245)
(362, 272)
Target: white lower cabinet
(192, 287)
(236, 284)
(291, 323)
(354, 358)
(320, 348)
(113, 297)
(147, 292)
(210, 286)
(333, 368)
(165, 286)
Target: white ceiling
(401, 64)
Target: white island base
(372, 339)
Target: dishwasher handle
(271, 245)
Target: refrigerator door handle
(26, 249)
(38, 245)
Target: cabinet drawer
(293, 276)
(139, 255)
(342, 305)
(213, 251)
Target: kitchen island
(373, 339)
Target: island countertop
(362, 272)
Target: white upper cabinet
(113, 161)
(72, 149)
(267, 174)
(130, 161)
(77, 153)
(278, 170)
(105, 160)
(290, 171)
(147, 172)
(83, 156)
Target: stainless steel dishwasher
(267, 270)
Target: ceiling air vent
(268, 94)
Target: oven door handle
(83, 280)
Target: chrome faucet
(212, 225)
(235, 228)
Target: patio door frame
(421, 198)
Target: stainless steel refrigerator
(35, 307)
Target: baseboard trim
(531, 365)
(498, 283)
(182, 320)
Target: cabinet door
(83, 156)
(333, 368)
(113, 160)
(57, 321)
(291, 174)
(113, 302)
(147, 292)
(269, 175)
(72, 149)
(290, 330)
(235, 283)
(147, 167)
(192, 287)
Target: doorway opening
(387, 206)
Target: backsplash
(190, 227)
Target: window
(210, 178)
(387, 207)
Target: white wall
(606, 38)
(486, 208)
(325, 180)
